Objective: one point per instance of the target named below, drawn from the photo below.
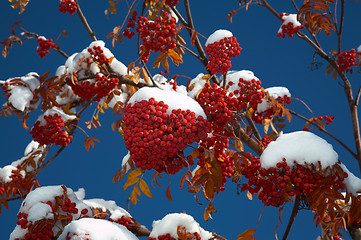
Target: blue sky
(275, 61)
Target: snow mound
(300, 147)
(274, 92)
(169, 224)
(174, 100)
(95, 229)
(353, 183)
(218, 35)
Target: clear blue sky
(275, 61)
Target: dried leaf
(167, 193)
(144, 187)
(246, 235)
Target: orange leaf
(144, 187)
(246, 235)
(167, 193)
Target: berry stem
(292, 217)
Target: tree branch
(85, 22)
(292, 217)
(325, 131)
(341, 25)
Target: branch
(85, 22)
(292, 217)
(358, 97)
(294, 4)
(254, 128)
(325, 131)
(190, 29)
(341, 25)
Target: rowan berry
(44, 46)
(289, 26)
(68, 6)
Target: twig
(190, 29)
(292, 217)
(253, 127)
(358, 97)
(294, 4)
(325, 131)
(190, 51)
(85, 22)
(341, 25)
(147, 70)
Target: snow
(300, 147)
(76, 61)
(291, 18)
(274, 92)
(353, 183)
(115, 211)
(21, 95)
(96, 229)
(174, 100)
(218, 35)
(52, 111)
(33, 145)
(358, 49)
(125, 162)
(5, 173)
(196, 85)
(169, 224)
(40, 211)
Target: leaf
(165, 63)
(167, 193)
(175, 57)
(144, 187)
(193, 37)
(209, 188)
(135, 173)
(133, 197)
(113, 7)
(246, 235)
(249, 195)
(159, 59)
(154, 178)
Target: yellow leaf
(136, 190)
(159, 59)
(130, 182)
(249, 195)
(144, 187)
(246, 235)
(165, 63)
(133, 197)
(113, 7)
(135, 173)
(176, 58)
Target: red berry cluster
(157, 35)
(97, 55)
(218, 105)
(130, 25)
(326, 118)
(288, 28)
(155, 139)
(68, 6)
(101, 86)
(167, 236)
(51, 132)
(276, 185)
(44, 46)
(220, 54)
(172, 2)
(346, 60)
(248, 93)
(125, 221)
(269, 113)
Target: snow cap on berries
(300, 147)
(96, 229)
(171, 222)
(233, 78)
(196, 85)
(21, 96)
(353, 183)
(274, 92)
(218, 35)
(174, 100)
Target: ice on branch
(218, 35)
(274, 92)
(353, 183)
(174, 100)
(95, 229)
(175, 223)
(300, 147)
(20, 92)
